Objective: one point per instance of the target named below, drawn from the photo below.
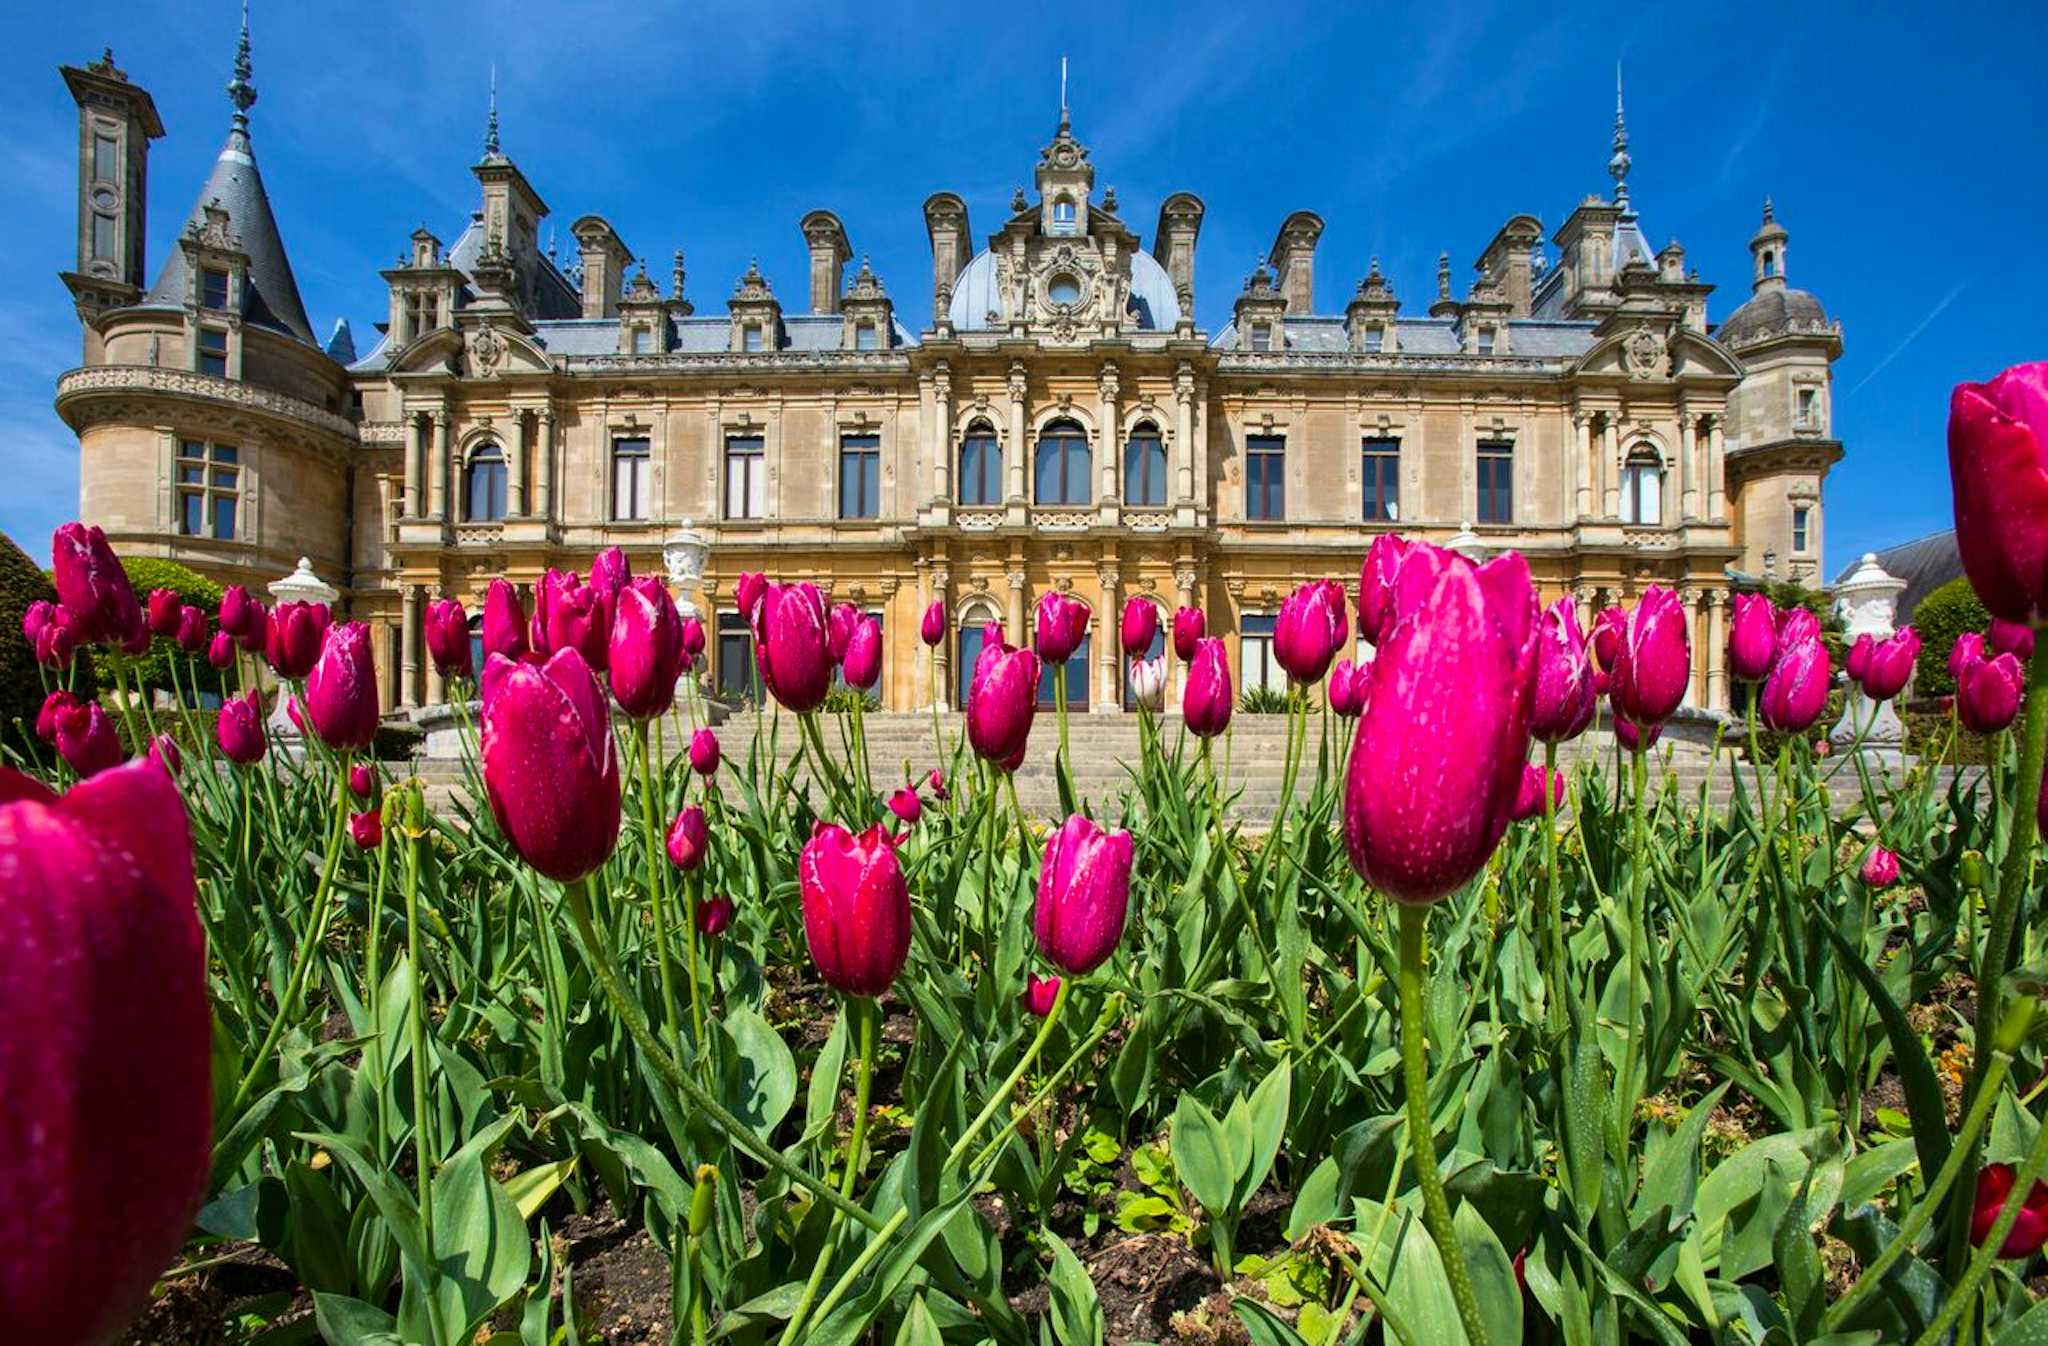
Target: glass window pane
(224, 516)
(213, 287)
(106, 159)
(225, 453)
(190, 511)
(103, 237)
(190, 475)
(963, 667)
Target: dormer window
(1375, 338)
(643, 341)
(866, 338)
(422, 314)
(213, 287)
(1262, 336)
(1063, 215)
(750, 337)
(1486, 341)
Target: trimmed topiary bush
(1942, 616)
(22, 582)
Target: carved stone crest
(1643, 354)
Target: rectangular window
(746, 478)
(736, 674)
(106, 159)
(632, 474)
(1380, 480)
(1496, 481)
(1801, 517)
(1809, 408)
(1375, 338)
(213, 351)
(981, 469)
(1265, 477)
(860, 476)
(213, 287)
(865, 338)
(1262, 337)
(643, 341)
(209, 479)
(750, 337)
(1144, 469)
(103, 238)
(1486, 341)
(1256, 665)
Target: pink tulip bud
(1796, 692)
(1880, 868)
(1311, 628)
(1795, 625)
(1040, 993)
(2013, 638)
(1061, 626)
(37, 618)
(1889, 664)
(937, 782)
(714, 916)
(862, 667)
(220, 651)
(367, 829)
(56, 644)
(1565, 697)
(609, 575)
(1628, 734)
(1376, 581)
(577, 617)
(164, 605)
(1752, 638)
(1002, 698)
(1189, 626)
(932, 629)
(2029, 1232)
(1529, 797)
(1206, 696)
(447, 629)
(92, 587)
(504, 621)
(693, 637)
(341, 691)
(550, 768)
(796, 660)
(1823, 748)
(748, 591)
(839, 624)
(103, 991)
(856, 908)
(906, 806)
(1084, 891)
(86, 739)
(1968, 649)
(46, 718)
(1859, 656)
(1998, 472)
(704, 752)
(1437, 759)
(292, 643)
(1608, 626)
(1140, 625)
(362, 780)
(689, 839)
(291, 711)
(1653, 662)
(234, 609)
(1148, 681)
(1988, 693)
(1347, 690)
(647, 653)
(191, 635)
(239, 729)
(164, 751)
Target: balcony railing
(190, 383)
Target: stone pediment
(1655, 351)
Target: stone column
(1108, 634)
(1013, 620)
(1111, 439)
(416, 441)
(1610, 467)
(941, 444)
(437, 471)
(1688, 467)
(544, 452)
(1582, 464)
(515, 468)
(1696, 634)
(1184, 436)
(941, 653)
(1717, 507)
(1019, 450)
(409, 647)
(1717, 651)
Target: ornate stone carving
(80, 383)
(1644, 354)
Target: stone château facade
(1061, 421)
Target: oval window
(1064, 290)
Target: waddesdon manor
(1061, 421)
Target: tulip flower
(856, 908)
(2029, 1233)
(1376, 581)
(551, 771)
(906, 806)
(1565, 696)
(220, 651)
(1206, 696)
(796, 661)
(1823, 748)
(1858, 661)
(704, 752)
(366, 829)
(647, 653)
(937, 782)
(86, 739)
(362, 780)
(1880, 868)
(255, 634)
(1653, 659)
(163, 750)
(1148, 681)
(1437, 758)
(689, 839)
(1040, 993)
(56, 643)
(162, 612)
(1061, 626)
(577, 617)
(1887, 664)
(693, 637)
(103, 991)
(1752, 638)
(1189, 626)
(1608, 627)
(748, 591)
(1968, 649)
(610, 573)
(1795, 625)
(235, 603)
(291, 712)
(1630, 735)
(239, 728)
(1140, 625)
(862, 667)
(447, 628)
(46, 718)
(2011, 638)
(839, 624)
(1084, 891)
(1311, 628)
(92, 587)
(191, 636)
(1002, 698)
(1529, 796)
(36, 618)
(1998, 469)
(341, 691)
(1988, 693)
(137, 644)
(1347, 690)
(714, 916)
(931, 629)
(1796, 692)
(504, 621)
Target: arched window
(483, 490)
(1770, 263)
(1642, 488)
(1145, 466)
(981, 467)
(1060, 475)
(1063, 214)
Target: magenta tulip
(550, 769)
(92, 587)
(862, 667)
(341, 691)
(796, 660)
(1140, 625)
(1752, 638)
(839, 624)
(1880, 868)
(86, 739)
(191, 635)
(1206, 696)
(1629, 735)
(647, 655)
(907, 807)
(1968, 649)
(255, 634)
(37, 618)
(1608, 627)
(578, 618)
(1002, 698)
(704, 752)
(504, 621)
(610, 573)
(1988, 693)
(291, 711)
(1347, 690)
(164, 751)
(239, 729)
(1040, 993)
(1653, 660)
(1189, 626)
(1376, 581)
(1084, 891)
(164, 607)
(447, 628)
(1888, 664)
(1796, 692)
(292, 644)
(937, 783)
(748, 591)
(2013, 638)
(1858, 661)
(1311, 628)
(46, 718)
(56, 643)
(367, 829)
(693, 637)
(1437, 759)
(234, 609)
(1795, 625)
(107, 1134)
(689, 839)
(362, 780)
(1998, 470)
(1566, 696)
(714, 916)
(220, 651)
(137, 644)
(856, 908)
(1529, 797)
(932, 628)
(1061, 626)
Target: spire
(241, 92)
(491, 127)
(676, 276)
(1618, 165)
(1065, 124)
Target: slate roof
(1529, 339)
(271, 298)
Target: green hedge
(1942, 616)
(22, 582)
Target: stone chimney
(825, 237)
(604, 257)
(1294, 259)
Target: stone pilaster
(409, 647)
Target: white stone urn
(1868, 600)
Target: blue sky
(1903, 151)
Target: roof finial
(1618, 165)
(1443, 275)
(1769, 218)
(676, 276)
(241, 92)
(1064, 124)
(491, 127)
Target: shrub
(1262, 701)
(1942, 616)
(154, 669)
(22, 582)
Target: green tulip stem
(2019, 852)
(1550, 917)
(577, 895)
(373, 981)
(938, 737)
(1436, 1211)
(1638, 965)
(1059, 698)
(1964, 1295)
(422, 1139)
(865, 1012)
(657, 898)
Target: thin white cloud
(1911, 336)
(1759, 118)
